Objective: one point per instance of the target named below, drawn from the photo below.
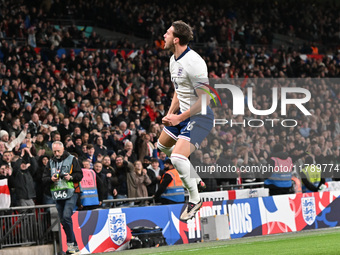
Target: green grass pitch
(313, 242)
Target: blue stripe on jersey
(182, 55)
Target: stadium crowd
(107, 107)
(253, 22)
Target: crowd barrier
(234, 194)
(242, 186)
(332, 185)
(250, 212)
(27, 225)
(109, 229)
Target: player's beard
(170, 47)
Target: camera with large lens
(62, 175)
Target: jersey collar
(184, 52)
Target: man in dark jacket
(111, 174)
(99, 147)
(102, 182)
(63, 175)
(23, 180)
(280, 167)
(124, 170)
(155, 175)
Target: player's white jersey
(188, 72)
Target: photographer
(63, 175)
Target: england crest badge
(308, 209)
(117, 228)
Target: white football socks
(168, 151)
(183, 166)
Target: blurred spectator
(43, 192)
(161, 159)
(112, 177)
(99, 148)
(280, 179)
(104, 181)
(15, 128)
(41, 146)
(146, 162)
(125, 171)
(55, 136)
(23, 180)
(34, 124)
(2, 149)
(209, 176)
(125, 133)
(226, 159)
(69, 144)
(6, 172)
(109, 141)
(10, 164)
(155, 174)
(145, 146)
(128, 152)
(145, 120)
(90, 155)
(170, 189)
(311, 176)
(9, 143)
(304, 130)
(89, 201)
(5, 198)
(65, 128)
(216, 148)
(138, 187)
